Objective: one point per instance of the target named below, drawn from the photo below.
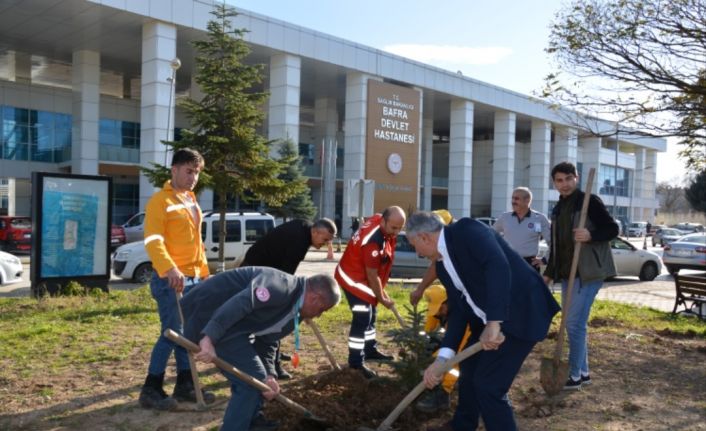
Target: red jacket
(370, 248)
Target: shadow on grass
(78, 413)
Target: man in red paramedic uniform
(363, 273)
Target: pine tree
(224, 124)
(299, 205)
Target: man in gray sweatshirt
(240, 315)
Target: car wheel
(674, 270)
(648, 271)
(143, 273)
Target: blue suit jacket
(498, 281)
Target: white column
(649, 177)
(285, 84)
(157, 99)
(539, 164)
(565, 145)
(85, 79)
(460, 158)
(591, 159)
(326, 126)
(427, 156)
(354, 129)
(503, 162)
(11, 197)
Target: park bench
(691, 288)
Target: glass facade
(126, 201)
(119, 141)
(609, 185)
(39, 136)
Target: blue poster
(68, 234)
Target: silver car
(629, 260)
(664, 236)
(688, 252)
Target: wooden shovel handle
(414, 393)
(247, 378)
(574, 268)
(324, 344)
(397, 315)
(192, 365)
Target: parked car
(134, 228)
(688, 252)
(10, 268)
(117, 236)
(629, 260)
(689, 227)
(15, 233)
(407, 263)
(632, 262)
(242, 230)
(665, 236)
(637, 229)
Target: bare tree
(671, 198)
(641, 62)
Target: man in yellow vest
(438, 398)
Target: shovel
(398, 316)
(414, 393)
(309, 417)
(324, 344)
(554, 372)
(192, 365)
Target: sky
(500, 42)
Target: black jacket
(596, 259)
(283, 248)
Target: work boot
(184, 389)
(433, 401)
(152, 396)
(365, 371)
(376, 355)
(282, 374)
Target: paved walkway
(658, 294)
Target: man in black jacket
(285, 246)
(595, 262)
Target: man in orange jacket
(173, 243)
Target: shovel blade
(553, 375)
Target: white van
(242, 230)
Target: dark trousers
(362, 335)
(485, 380)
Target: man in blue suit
(505, 302)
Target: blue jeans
(577, 323)
(245, 400)
(169, 318)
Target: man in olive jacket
(595, 262)
(224, 312)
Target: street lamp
(175, 64)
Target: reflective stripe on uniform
(370, 335)
(155, 237)
(175, 207)
(356, 343)
(360, 308)
(349, 281)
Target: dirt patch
(638, 384)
